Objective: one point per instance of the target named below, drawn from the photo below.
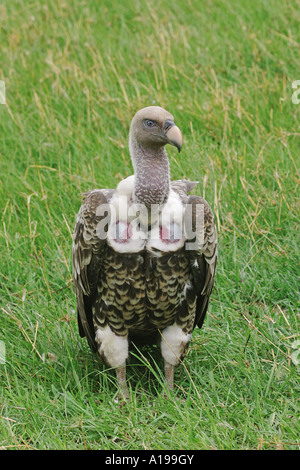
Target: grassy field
(75, 73)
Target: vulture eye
(149, 123)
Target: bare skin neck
(152, 174)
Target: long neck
(152, 174)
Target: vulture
(144, 255)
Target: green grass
(75, 73)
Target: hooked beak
(173, 134)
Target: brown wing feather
(87, 254)
(204, 258)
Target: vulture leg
(169, 375)
(113, 350)
(121, 379)
(174, 343)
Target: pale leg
(173, 345)
(121, 380)
(113, 350)
(169, 375)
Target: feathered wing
(203, 258)
(204, 253)
(183, 187)
(89, 251)
(87, 254)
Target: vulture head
(153, 127)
